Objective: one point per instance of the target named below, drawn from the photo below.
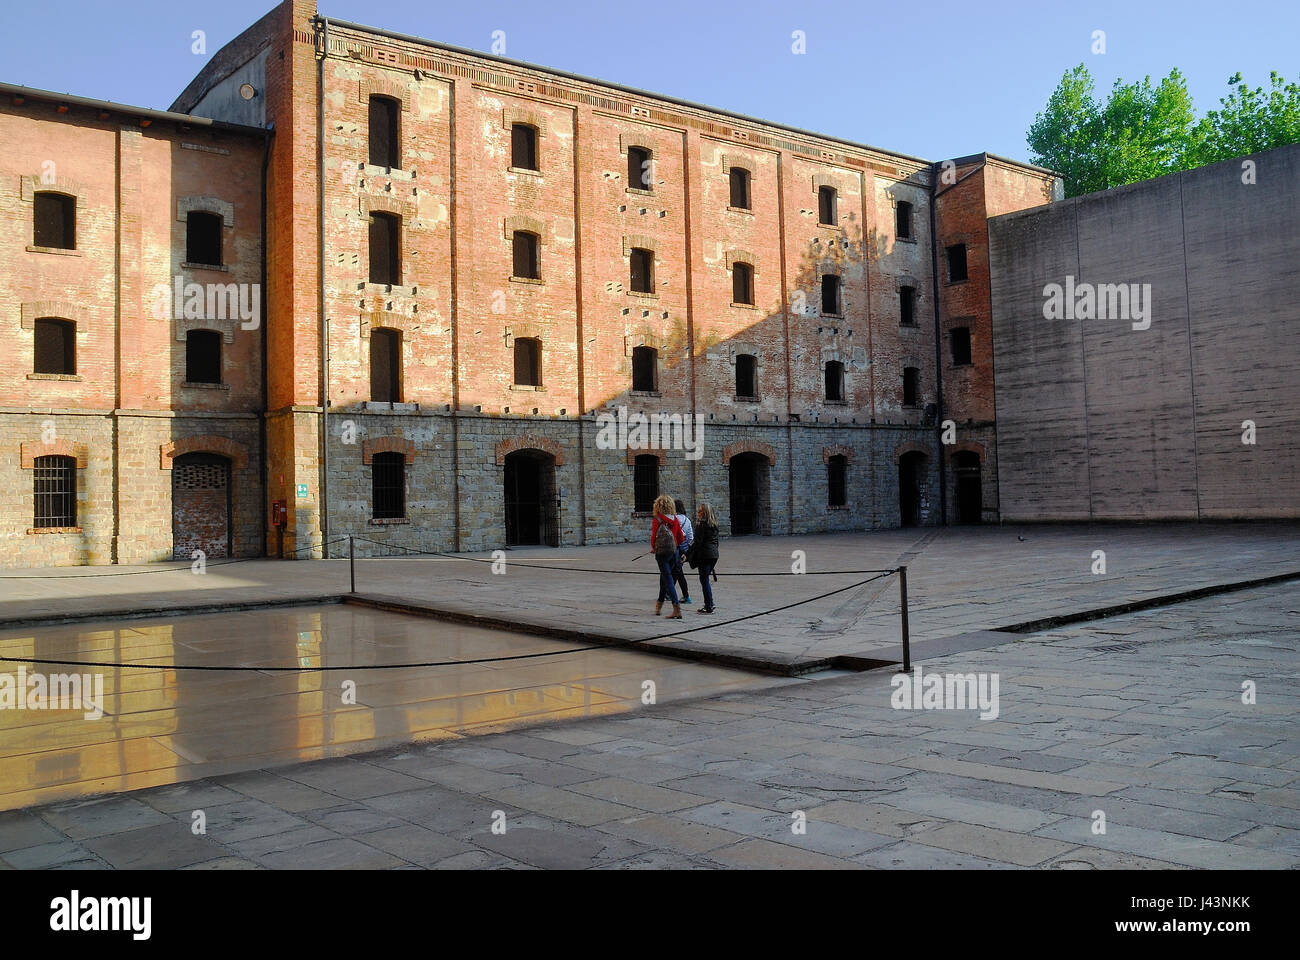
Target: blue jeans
(666, 588)
(706, 568)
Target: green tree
(1064, 136)
(1249, 121)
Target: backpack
(665, 542)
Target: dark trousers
(680, 576)
(706, 569)
(667, 564)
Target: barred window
(55, 480)
(388, 490)
(645, 482)
(836, 481)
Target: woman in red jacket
(665, 538)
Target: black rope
(646, 573)
(442, 663)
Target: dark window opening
(56, 350)
(960, 346)
(385, 260)
(911, 387)
(645, 482)
(640, 173)
(388, 486)
(645, 362)
(834, 380)
(956, 263)
(202, 356)
(523, 147)
(740, 188)
(385, 366)
(525, 251)
(55, 482)
(747, 376)
(837, 469)
(203, 238)
(830, 294)
(643, 270)
(528, 362)
(54, 221)
(907, 306)
(384, 112)
(903, 220)
(826, 204)
(742, 283)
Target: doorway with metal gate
(748, 480)
(532, 509)
(970, 490)
(201, 501)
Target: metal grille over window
(55, 480)
(645, 482)
(389, 486)
(836, 474)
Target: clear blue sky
(934, 79)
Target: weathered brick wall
(1098, 420)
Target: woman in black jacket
(706, 551)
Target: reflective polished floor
(164, 725)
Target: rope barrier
(444, 663)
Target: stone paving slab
(879, 787)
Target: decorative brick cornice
(207, 443)
(35, 310)
(40, 183)
(639, 241)
(748, 446)
(28, 452)
(401, 92)
(530, 442)
(742, 256)
(531, 118)
(911, 446)
(224, 208)
(389, 444)
(527, 225)
(838, 450)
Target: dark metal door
(744, 496)
(201, 506)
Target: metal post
(902, 600)
(352, 561)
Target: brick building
(494, 261)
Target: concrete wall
(1098, 420)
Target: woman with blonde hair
(705, 551)
(665, 537)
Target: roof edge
(144, 113)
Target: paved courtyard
(1138, 717)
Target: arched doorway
(911, 476)
(201, 498)
(748, 481)
(532, 508)
(970, 492)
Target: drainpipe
(938, 341)
(266, 400)
(323, 36)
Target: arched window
(528, 362)
(645, 369)
(834, 381)
(55, 347)
(385, 365)
(203, 238)
(837, 470)
(55, 480)
(54, 221)
(742, 283)
(739, 177)
(746, 376)
(202, 356)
